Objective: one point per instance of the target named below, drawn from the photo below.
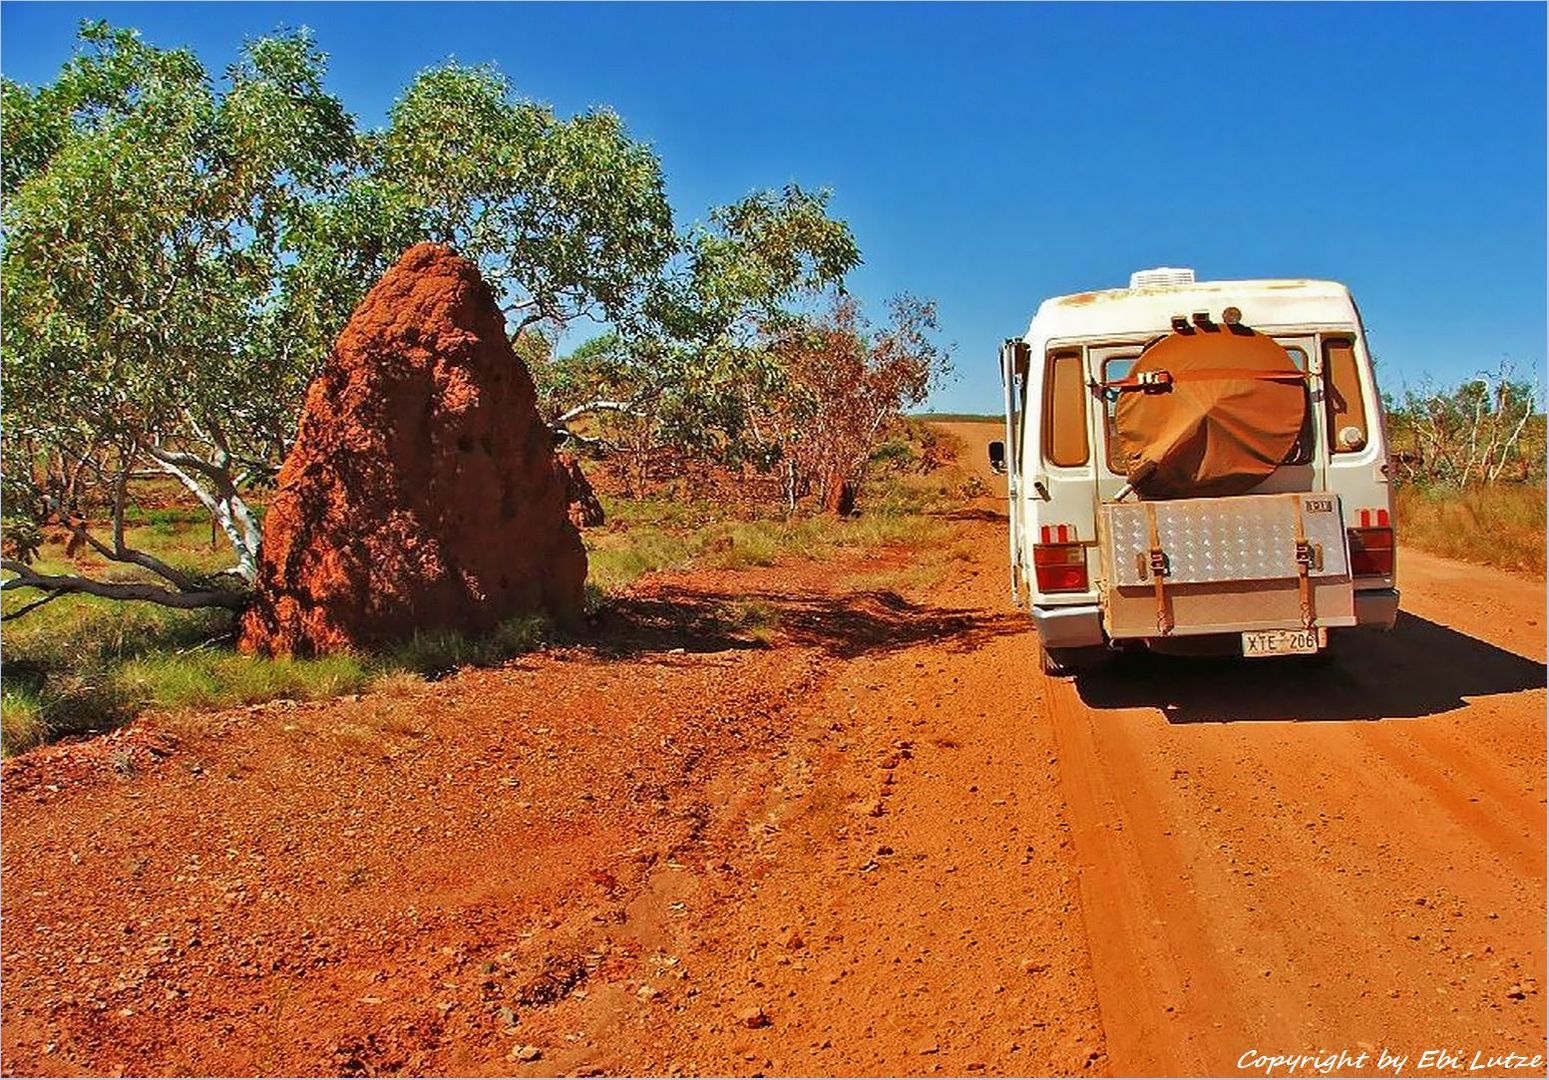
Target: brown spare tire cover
(1234, 409)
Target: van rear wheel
(1065, 662)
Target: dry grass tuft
(1500, 525)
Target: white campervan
(1196, 467)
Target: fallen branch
(184, 599)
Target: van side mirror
(998, 456)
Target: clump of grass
(621, 556)
(397, 683)
(434, 653)
(23, 723)
(1500, 525)
(757, 619)
(757, 543)
(168, 679)
(219, 678)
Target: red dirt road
(883, 844)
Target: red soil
(422, 492)
(879, 843)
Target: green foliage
(686, 369)
(1485, 429)
(564, 217)
(751, 261)
(144, 217)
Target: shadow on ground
(843, 625)
(1419, 669)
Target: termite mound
(422, 492)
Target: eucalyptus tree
(691, 363)
(145, 211)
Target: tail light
(1060, 567)
(1371, 551)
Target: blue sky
(991, 155)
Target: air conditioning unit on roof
(1161, 277)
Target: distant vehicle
(1196, 467)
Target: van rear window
(1346, 407)
(1119, 367)
(1064, 410)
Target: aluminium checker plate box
(1241, 538)
(1231, 564)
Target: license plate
(1283, 642)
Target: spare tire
(1208, 413)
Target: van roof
(1263, 303)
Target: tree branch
(599, 406)
(27, 578)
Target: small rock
(523, 1052)
(928, 1048)
(753, 1017)
(1033, 967)
(795, 941)
(648, 993)
(1516, 993)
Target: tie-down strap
(1157, 382)
(1159, 571)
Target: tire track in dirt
(1412, 922)
(1141, 982)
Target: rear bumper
(1076, 626)
(1376, 608)
(1072, 626)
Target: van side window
(1114, 369)
(1346, 408)
(1064, 409)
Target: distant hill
(959, 417)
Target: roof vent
(1162, 277)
